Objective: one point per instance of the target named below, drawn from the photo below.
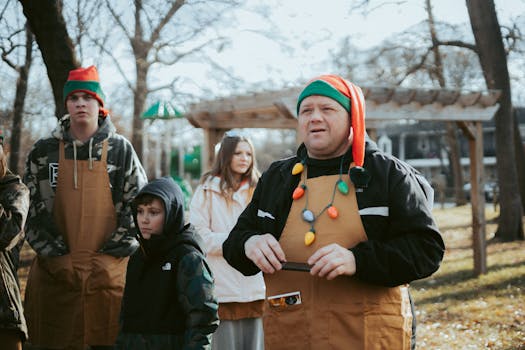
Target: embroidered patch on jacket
(264, 214)
(166, 267)
(53, 174)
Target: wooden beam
(425, 97)
(447, 97)
(490, 98)
(260, 121)
(470, 99)
(380, 95)
(211, 138)
(468, 128)
(478, 201)
(283, 109)
(249, 101)
(403, 96)
(193, 121)
(432, 112)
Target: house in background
(423, 145)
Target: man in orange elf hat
(339, 231)
(82, 180)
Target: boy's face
(150, 218)
(83, 108)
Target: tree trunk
(452, 135)
(48, 25)
(493, 60)
(18, 109)
(520, 157)
(455, 163)
(139, 101)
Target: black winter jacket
(168, 300)
(404, 243)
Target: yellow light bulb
(309, 238)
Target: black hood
(174, 230)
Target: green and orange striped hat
(351, 98)
(85, 80)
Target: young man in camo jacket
(82, 180)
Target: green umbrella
(161, 110)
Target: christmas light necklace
(307, 215)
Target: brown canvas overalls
(74, 299)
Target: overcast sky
(311, 28)
(316, 27)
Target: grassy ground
(456, 310)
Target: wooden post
(478, 201)
(211, 138)
(145, 148)
(166, 149)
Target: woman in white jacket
(218, 201)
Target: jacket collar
(213, 184)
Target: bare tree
(493, 59)
(490, 49)
(18, 108)
(82, 18)
(414, 58)
(12, 48)
(451, 130)
(158, 36)
(520, 156)
(47, 24)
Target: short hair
(145, 199)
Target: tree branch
(166, 86)
(12, 47)
(117, 63)
(187, 53)
(118, 20)
(165, 20)
(415, 67)
(457, 43)
(4, 9)
(9, 62)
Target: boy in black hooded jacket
(168, 300)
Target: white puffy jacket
(213, 218)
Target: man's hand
(265, 252)
(331, 261)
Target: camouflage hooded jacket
(14, 203)
(126, 176)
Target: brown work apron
(74, 299)
(343, 313)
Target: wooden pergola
(277, 110)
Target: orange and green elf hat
(85, 80)
(351, 98)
